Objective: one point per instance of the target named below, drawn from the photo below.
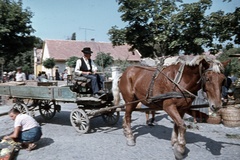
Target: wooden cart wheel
(111, 118)
(22, 108)
(80, 120)
(47, 109)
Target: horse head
(212, 81)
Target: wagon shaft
(168, 95)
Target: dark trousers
(96, 82)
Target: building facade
(61, 50)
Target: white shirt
(25, 121)
(20, 77)
(65, 76)
(79, 64)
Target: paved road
(60, 141)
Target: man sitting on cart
(86, 67)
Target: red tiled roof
(63, 49)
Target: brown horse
(178, 79)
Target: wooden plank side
(5, 90)
(40, 92)
(33, 92)
(64, 94)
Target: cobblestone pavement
(60, 141)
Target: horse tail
(115, 88)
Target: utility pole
(86, 29)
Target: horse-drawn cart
(45, 97)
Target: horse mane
(191, 60)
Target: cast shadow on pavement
(162, 132)
(62, 118)
(43, 142)
(97, 124)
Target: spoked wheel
(47, 109)
(22, 108)
(80, 120)
(111, 118)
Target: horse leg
(178, 133)
(174, 137)
(127, 126)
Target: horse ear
(225, 63)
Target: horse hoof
(130, 142)
(178, 151)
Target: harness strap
(150, 88)
(200, 72)
(155, 75)
(179, 74)
(181, 88)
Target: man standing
(26, 129)
(57, 75)
(87, 68)
(20, 76)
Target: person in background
(26, 129)
(31, 76)
(225, 89)
(149, 122)
(199, 113)
(20, 76)
(87, 68)
(39, 76)
(57, 75)
(65, 74)
(5, 77)
(11, 75)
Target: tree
(71, 61)
(25, 59)
(49, 63)
(163, 28)
(234, 66)
(122, 63)
(103, 60)
(15, 29)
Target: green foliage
(71, 62)
(123, 64)
(234, 66)
(117, 36)
(49, 63)
(38, 42)
(15, 29)
(158, 28)
(26, 60)
(103, 59)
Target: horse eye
(207, 79)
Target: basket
(231, 116)
(214, 119)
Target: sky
(59, 19)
